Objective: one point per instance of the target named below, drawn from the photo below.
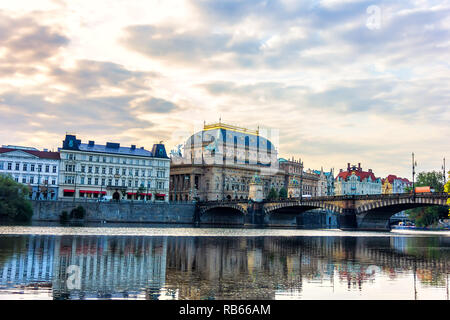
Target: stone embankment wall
(117, 212)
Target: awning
(160, 194)
(68, 190)
(131, 193)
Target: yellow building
(386, 187)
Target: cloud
(157, 105)
(24, 40)
(88, 76)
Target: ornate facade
(355, 181)
(218, 163)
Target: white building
(38, 170)
(89, 170)
(355, 181)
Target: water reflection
(166, 267)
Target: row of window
(10, 166)
(73, 156)
(111, 182)
(35, 180)
(111, 170)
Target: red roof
(363, 175)
(37, 153)
(393, 177)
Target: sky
(338, 80)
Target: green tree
(14, 202)
(78, 212)
(432, 179)
(426, 216)
(273, 194)
(283, 193)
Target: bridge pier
(347, 220)
(255, 215)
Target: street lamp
(443, 172)
(414, 164)
(75, 185)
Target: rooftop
(34, 152)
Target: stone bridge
(364, 212)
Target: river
(219, 263)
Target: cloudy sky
(339, 80)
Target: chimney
(91, 143)
(348, 166)
(370, 170)
(359, 166)
(133, 147)
(340, 170)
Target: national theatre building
(221, 161)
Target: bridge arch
(298, 207)
(226, 213)
(376, 215)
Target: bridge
(363, 212)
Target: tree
(426, 216)
(78, 212)
(273, 194)
(432, 179)
(283, 193)
(14, 203)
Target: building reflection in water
(219, 267)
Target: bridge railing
(337, 198)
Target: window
(25, 167)
(89, 181)
(90, 169)
(90, 158)
(103, 181)
(24, 180)
(31, 179)
(54, 169)
(116, 182)
(31, 167)
(104, 159)
(83, 168)
(70, 179)
(47, 168)
(17, 166)
(117, 170)
(160, 174)
(97, 169)
(82, 180)
(124, 171)
(103, 170)
(110, 170)
(39, 168)
(96, 181)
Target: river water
(211, 263)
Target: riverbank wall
(128, 212)
(166, 213)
